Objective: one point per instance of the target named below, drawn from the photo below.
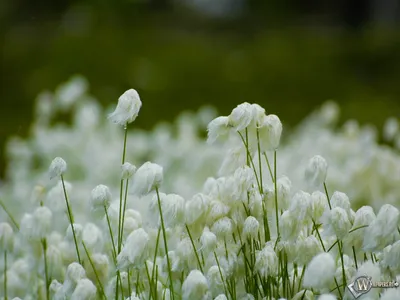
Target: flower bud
(127, 170)
(147, 178)
(57, 167)
(127, 108)
(100, 197)
(316, 170)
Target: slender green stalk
(340, 244)
(250, 159)
(71, 220)
(129, 283)
(124, 209)
(220, 273)
(5, 275)
(333, 245)
(276, 200)
(111, 235)
(359, 227)
(9, 214)
(95, 271)
(121, 191)
(338, 288)
(327, 195)
(194, 249)
(355, 257)
(259, 161)
(154, 262)
(269, 166)
(319, 236)
(46, 272)
(171, 284)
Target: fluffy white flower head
(195, 286)
(241, 116)
(320, 271)
(127, 170)
(316, 170)
(216, 128)
(57, 167)
(6, 237)
(148, 177)
(127, 108)
(100, 197)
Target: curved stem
(46, 272)
(71, 219)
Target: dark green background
(287, 59)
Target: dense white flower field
(206, 208)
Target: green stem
(154, 264)
(194, 249)
(129, 283)
(327, 196)
(250, 159)
(319, 236)
(259, 161)
(111, 236)
(355, 256)
(46, 272)
(9, 214)
(333, 245)
(5, 275)
(121, 191)
(124, 209)
(340, 244)
(165, 245)
(95, 271)
(269, 167)
(220, 273)
(359, 227)
(71, 220)
(276, 199)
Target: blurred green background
(287, 56)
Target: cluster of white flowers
(244, 216)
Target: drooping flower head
(127, 109)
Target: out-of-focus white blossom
(316, 170)
(57, 167)
(148, 177)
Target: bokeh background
(289, 56)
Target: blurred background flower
(181, 54)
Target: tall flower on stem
(126, 112)
(57, 169)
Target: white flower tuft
(85, 290)
(57, 167)
(216, 128)
(134, 252)
(127, 170)
(241, 116)
(127, 108)
(147, 178)
(316, 171)
(6, 237)
(320, 272)
(100, 197)
(195, 286)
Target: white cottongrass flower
(267, 261)
(391, 259)
(196, 208)
(127, 170)
(216, 283)
(250, 228)
(57, 167)
(221, 297)
(241, 116)
(381, 231)
(147, 178)
(134, 252)
(208, 241)
(195, 286)
(270, 132)
(217, 128)
(85, 290)
(100, 197)
(320, 272)
(127, 108)
(316, 170)
(390, 129)
(6, 237)
(337, 222)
